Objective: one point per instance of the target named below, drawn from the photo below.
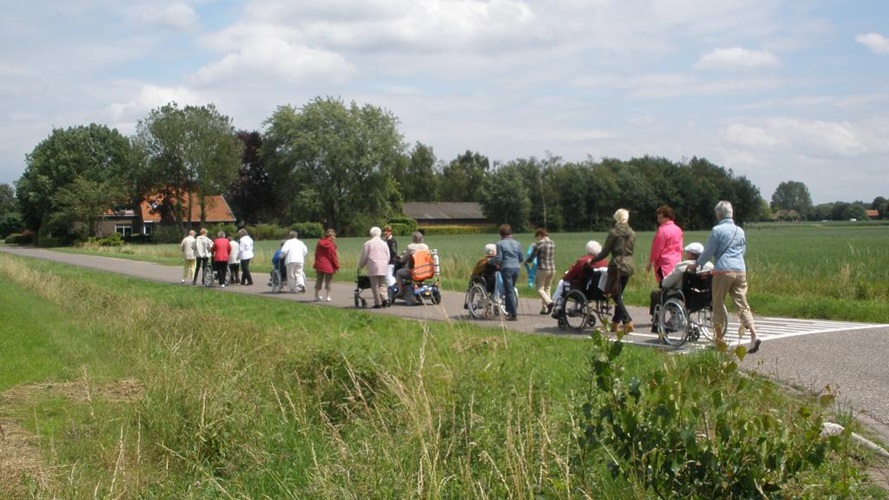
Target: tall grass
(172, 393)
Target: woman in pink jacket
(375, 256)
(326, 263)
(666, 248)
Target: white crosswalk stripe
(772, 329)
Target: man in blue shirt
(509, 259)
(727, 245)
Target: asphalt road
(850, 358)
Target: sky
(775, 90)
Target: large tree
(7, 199)
(86, 201)
(334, 162)
(94, 153)
(793, 195)
(251, 195)
(416, 174)
(504, 197)
(462, 178)
(190, 150)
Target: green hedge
(24, 238)
(450, 230)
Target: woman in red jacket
(326, 263)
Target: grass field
(823, 271)
(113, 387)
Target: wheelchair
(582, 306)
(480, 299)
(686, 314)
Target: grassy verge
(145, 390)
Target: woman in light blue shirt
(726, 246)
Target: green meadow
(114, 387)
(805, 270)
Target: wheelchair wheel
(208, 276)
(701, 324)
(277, 285)
(673, 326)
(477, 301)
(436, 296)
(577, 310)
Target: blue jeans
(510, 275)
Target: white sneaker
(317, 299)
(223, 285)
(327, 299)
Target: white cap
(695, 248)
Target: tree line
(347, 166)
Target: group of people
(228, 257)
(669, 259)
(385, 266)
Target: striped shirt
(545, 252)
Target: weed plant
(161, 391)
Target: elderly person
(203, 248)
(666, 247)
(673, 281)
(403, 276)
(574, 277)
(234, 260)
(327, 263)
(620, 245)
(544, 251)
(221, 249)
(509, 260)
(375, 256)
(727, 245)
(294, 254)
(245, 253)
(187, 246)
(393, 254)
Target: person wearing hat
(673, 281)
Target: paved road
(848, 357)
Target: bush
(450, 230)
(112, 240)
(695, 435)
(403, 226)
(24, 238)
(268, 232)
(167, 234)
(11, 223)
(309, 229)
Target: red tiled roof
(215, 207)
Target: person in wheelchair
(487, 270)
(576, 276)
(673, 281)
(403, 275)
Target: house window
(147, 228)
(123, 229)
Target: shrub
(402, 226)
(167, 234)
(309, 229)
(695, 435)
(112, 240)
(268, 232)
(450, 230)
(24, 238)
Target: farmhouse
(445, 213)
(154, 210)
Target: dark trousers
(220, 266)
(202, 264)
(246, 277)
(621, 315)
(233, 272)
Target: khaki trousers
(543, 281)
(735, 285)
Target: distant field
(835, 271)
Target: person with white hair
(726, 246)
(188, 255)
(487, 269)
(403, 275)
(294, 254)
(574, 276)
(673, 281)
(375, 256)
(620, 244)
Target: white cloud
(875, 42)
(275, 57)
(745, 135)
(737, 58)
